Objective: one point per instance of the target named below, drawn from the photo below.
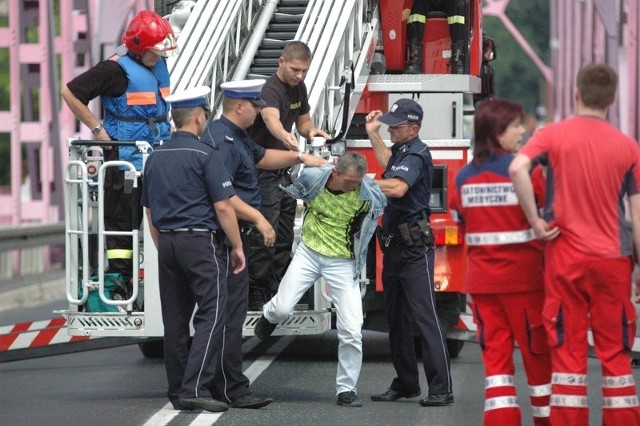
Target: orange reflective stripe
(165, 91)
(141, 98)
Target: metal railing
(24, 251)
(341, 34)
(221, 37)
(32, 235)
(211, 43)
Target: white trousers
(306, 267)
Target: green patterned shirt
(331, 221)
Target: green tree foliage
(515, 75)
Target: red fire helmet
(149, 31)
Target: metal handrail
(102, 233)
(337, 32)
(72, 232)
(211, 43)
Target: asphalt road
(118, 386)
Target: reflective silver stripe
(540, 390)
(620, 401)
(577, 401)
(498, 380)
(618, 381)
(507, 237)
(569, 379)
(501, 402)
(541, 411)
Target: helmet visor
(167, 47)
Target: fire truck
(359, 56)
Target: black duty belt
(188, 230)
(392, 240)
(396, 240)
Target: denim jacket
(312, 181)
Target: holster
(406, 234)
(425, 231)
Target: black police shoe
(177, 406)
(349, 399)
(437, 400)
(392, 395)
(250, 401)
(204, 403)
(264, 328)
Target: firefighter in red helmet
(148, 31)
(132, 85)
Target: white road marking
(166, 414)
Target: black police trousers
(229, 382)
(268, 264)
(407, 277)
(192, 269)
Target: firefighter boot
(415, 58)
(457, 59)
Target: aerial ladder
(224, 40)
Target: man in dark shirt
(286, 100)
(187, 196)
(132, 85)
(241, 104)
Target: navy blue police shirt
(411, 162)
(182, 180)
(239, 155)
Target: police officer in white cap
(241, 104)
(187, 197)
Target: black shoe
(264, 328)
(250, 401)
(179, 407)
(349, 399)
(392, 394)
(437, 400)
(204, 403)
(257, 299)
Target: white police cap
(244, 89)
(190, 98)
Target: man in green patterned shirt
(342, 209)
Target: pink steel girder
(36, 122)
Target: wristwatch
(96, 130)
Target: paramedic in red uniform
(592, 167)
(504, 274)
(132, 85)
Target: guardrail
(25, 250)
(32, 235)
